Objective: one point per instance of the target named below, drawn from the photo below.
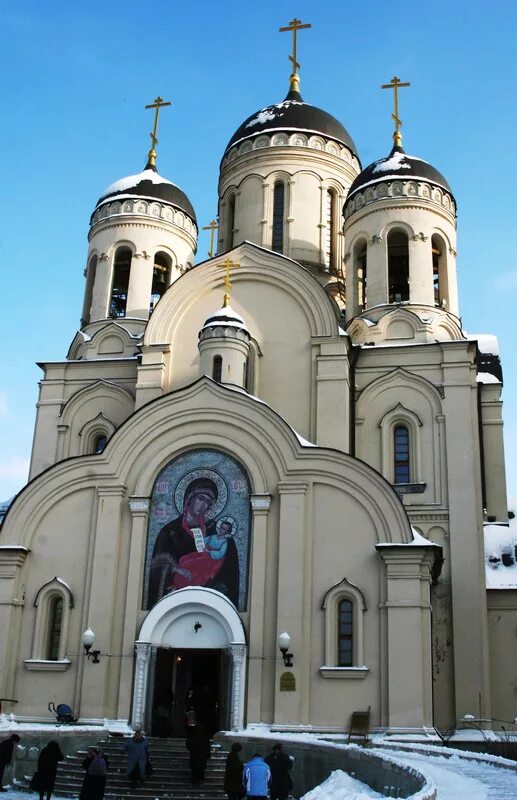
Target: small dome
(293, 115)
(150, 185)
(398, 166)
(225, 317)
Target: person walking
(48, 761)
(233, 773)
(137, 749)
(281, 782)
(198, 745)
(96, 769)
(256, 777)
(6, 754)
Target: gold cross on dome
(212, 227)
(295, 25)
(228, 264)
(158, 103)
(396, 84)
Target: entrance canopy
(193, 618)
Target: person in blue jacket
(256, 777)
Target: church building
(266, 476)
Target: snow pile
(487, 343)
(133, 180)
(394, 163)
(486, 377)
(262, 117)
(501, 555)
(341, 786)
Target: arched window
(217, 368)
(230, 224)
(55, 622)
(121, 268)
(439, 271)
(360, 252)
(53, 603)
(398, 267)
(330, 230)
(278, 217)
(344, 607)
(100, 442)
(345, 644)
(161, 278)
(88, 292)
(401, 471)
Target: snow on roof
(487, 377)
(501, 554)
(133, 180)
(487, 343)
(268, 113)
(395, 162)
(417, 541)
(226, 311)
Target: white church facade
(315, 452)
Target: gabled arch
(399, 415)
(53, 602)
(91, 430)
(399, 377)
(346, 591)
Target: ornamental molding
(260, 502)
(159, 211)
(383, 206)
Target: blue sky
(75, 78)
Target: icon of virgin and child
(195, 549)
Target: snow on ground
(14, 794)
(457, 777)
(341, 786)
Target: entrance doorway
(177, 670)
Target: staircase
(170, 778)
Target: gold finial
(295, 25)
(396, 84)
(228, 264)
(212, 227)
(151, 156)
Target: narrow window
(278, 218)
(55, 621)
(161, 279)
(330, 230)
(401, 454)
(360, 268)
(121, 267)
(217, 368)
(231, 222)
(100, 443)
(398, 267)
(439, 271)
(345, 644)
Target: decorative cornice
(439, 201)
(315, 143)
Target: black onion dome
(398, 166)
(151, 185)
(293, 115)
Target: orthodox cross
(396, 84)
(151, 156)
(228, 264)
(295, 25)
(212, 227)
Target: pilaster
(260, 505)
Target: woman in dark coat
(94, 782)
(233, 774)
(48, 761)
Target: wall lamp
(88, 640)
(284, 640)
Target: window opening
(161, 279)
(360, 265)
(88, 294)
(330, 233)
(231, 221)
(345, 633)
(121, 268)
(278, 218)
(439, 271)
(398, 267)
(55, 622)
(401, 459)
(217, 368)
(100, 443)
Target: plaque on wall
(287, 682)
